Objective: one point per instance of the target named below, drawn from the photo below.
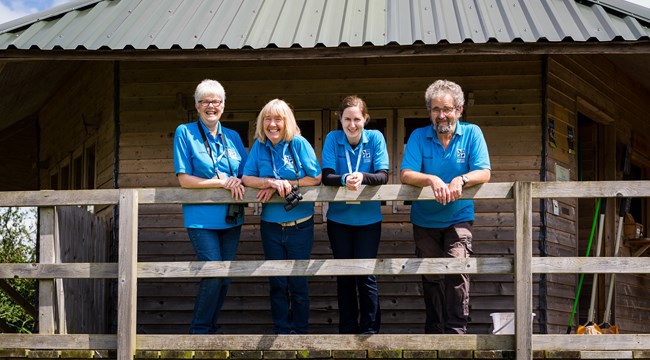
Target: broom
(582, 276)
(590, 328)
(606, 327)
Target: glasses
(206, 103)
(447, 110)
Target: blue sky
(12, 9)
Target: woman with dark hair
(353, 157)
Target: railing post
(46, 298)
(522, 194)
(127, 274)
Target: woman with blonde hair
(281, 161)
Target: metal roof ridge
(44, 15)
(625, 7)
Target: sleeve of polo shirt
(412, 158)
(329, 152)
(308, 158)
(182, 153)
(251, 168)
(479, 156)
(380, 152)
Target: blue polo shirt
(275, 161)
(371, 155)
(424, 153)
(192, 158)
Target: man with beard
(449, 156)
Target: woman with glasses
(353, 157)
(209, 155)
(281, 161)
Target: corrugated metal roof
(257, 24)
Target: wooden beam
(590, 189)
(59, 197)
(639, 47)
(322, 267)
(17, 297)
(63, 271)
(605, 342)
(61, 324)
(571, 189)
(620, 342)
(328, 267)
(602, 265)
(71, 341)
(326, 342)
(46, 300)
(523, 271)
(127, 274)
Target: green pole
(582, 276)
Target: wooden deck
(126, 343)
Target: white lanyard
(275, 170)
(347, 157)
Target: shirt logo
(365, 154)
(233, 154)
(460, 156)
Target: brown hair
(352, 101)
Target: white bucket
(504, 323)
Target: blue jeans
(356, 242)
(289, 294)
(212, 245)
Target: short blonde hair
(281, 108)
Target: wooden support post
(46, 299)
(127, 274)
(61, 325)
(522, 194)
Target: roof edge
(639, 12)
(44, 15)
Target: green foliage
(18, 245)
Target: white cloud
(8, 14)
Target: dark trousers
(446, 297)
(357, 315)
(289, 295)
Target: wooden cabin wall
(18, 146)
(77, 152)
(503, 97)
(77, 119)
(593, 87)
(85, 238)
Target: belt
(295, 222)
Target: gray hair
(440, 88)
(209, 87)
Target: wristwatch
(465, 179)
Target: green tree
(18, 245)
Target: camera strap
(208, 148)
(293, 158)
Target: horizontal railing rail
(523, 265)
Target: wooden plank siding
(591, 87)
(503, 94)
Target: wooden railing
(128, 271)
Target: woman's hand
(265, 194)
(353, 181)
(237, 189)
(283, 187)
